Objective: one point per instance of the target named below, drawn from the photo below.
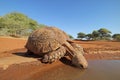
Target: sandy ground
(13, 58)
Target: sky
(72, 16)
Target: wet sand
(103, 58)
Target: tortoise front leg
(54, 55)
(76, 56)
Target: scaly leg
(54, 55)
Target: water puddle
(97, 70)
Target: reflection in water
(103, 70)
(61, 73)
(97, 70)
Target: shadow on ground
(24, 53)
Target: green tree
(104, 33)
(70, 36)
(89, 36)
(116, 37)
(17, 24)
(95, 35)
(81, 35)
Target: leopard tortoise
(52, 43)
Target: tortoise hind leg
(54, 55)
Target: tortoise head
(79, 61)
(76, 56)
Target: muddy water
(97, 70)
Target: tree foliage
(17, 24)
(101, 34)
(89, 36)
(116, 37)
(70, 36)
(95, 35)
(104, 33)
(81, 35)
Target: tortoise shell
(46, 40)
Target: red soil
(9, 46)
